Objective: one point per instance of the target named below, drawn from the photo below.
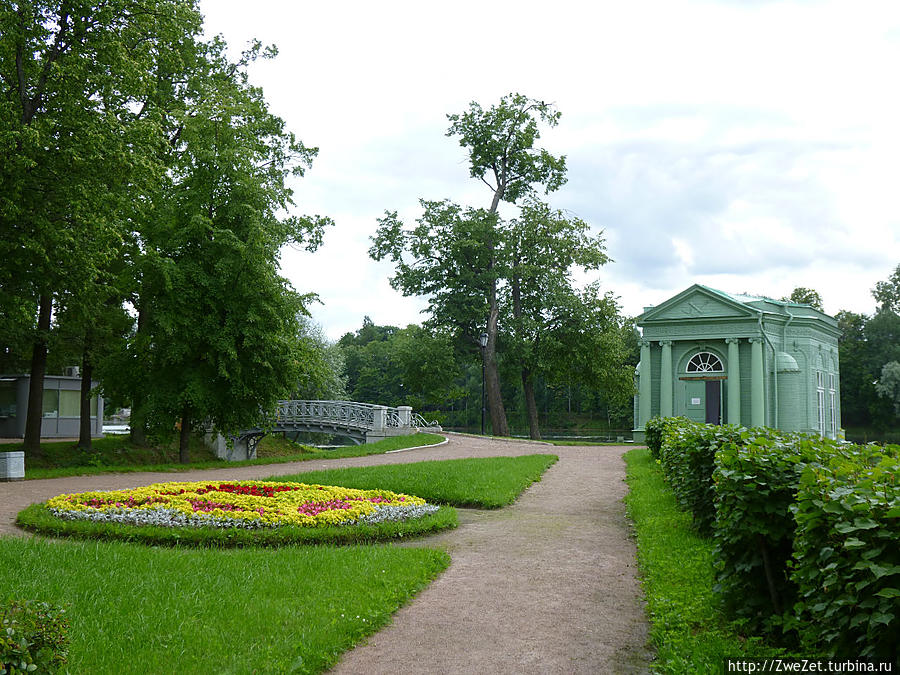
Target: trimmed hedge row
(847, 551)
(806, 530)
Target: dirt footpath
(547, 585)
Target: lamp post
(482, 340)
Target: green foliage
(501, 145)
(888, 385)
(552, 329)
(323, 378)
(220, 339)
(867, 344)
(412, 366)
(140, 609)
(455, 256)
(806, 296)
(36, 518)
(656, 429)
(847, 551)
(887, 293)
(33, 637)
(688, 629)
(487, 483)
(687, 455)
(804, 528)
(756, 480)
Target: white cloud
(746, 145)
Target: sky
(748, 145)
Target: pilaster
(757, 388)
(644, 390)
(665, 381)
(734, 381)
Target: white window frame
(820, 401)
(832, 405)
(705, 362)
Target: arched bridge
(360, 422)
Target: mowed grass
(487, 482)
(688, 629)
(136, 609)
(116, 454)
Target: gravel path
(547, 585)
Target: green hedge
(847, 551)
(688, 458)
(756, 483)
(34, 637)
(654, 430)
(806, 530)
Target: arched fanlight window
(704, 362)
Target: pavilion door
(713, 401)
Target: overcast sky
(751, 146)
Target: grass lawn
(488, 482)
(115, 454)
(688, 629)
(137, 609)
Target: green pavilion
(720, 358)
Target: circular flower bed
(239, 504)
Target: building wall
(61, 420)
(798, 342)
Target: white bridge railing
(348, 414)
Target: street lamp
(482, 340)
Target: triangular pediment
(697, 302)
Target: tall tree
(887, 292)
(867, 344)
(323, 377)
(542, 249)
(888, 385)
(463, 258)
(71, 79)
(224, 339)
(806, 296)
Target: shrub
(688, 457)
(655, 430)
(756, 479)
(33, 637)
(847, 551)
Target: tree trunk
(499, 425)
(530, 406)
(184, 455)
(87, 371)
(35, 415)
(137, 426)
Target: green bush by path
(37, 518)
(847, 551)
(806, 531)
(688, 629)
(34, 637)
(137, 609)
(489, 482)
(655, 431)
(688, 457)
(756, 481)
